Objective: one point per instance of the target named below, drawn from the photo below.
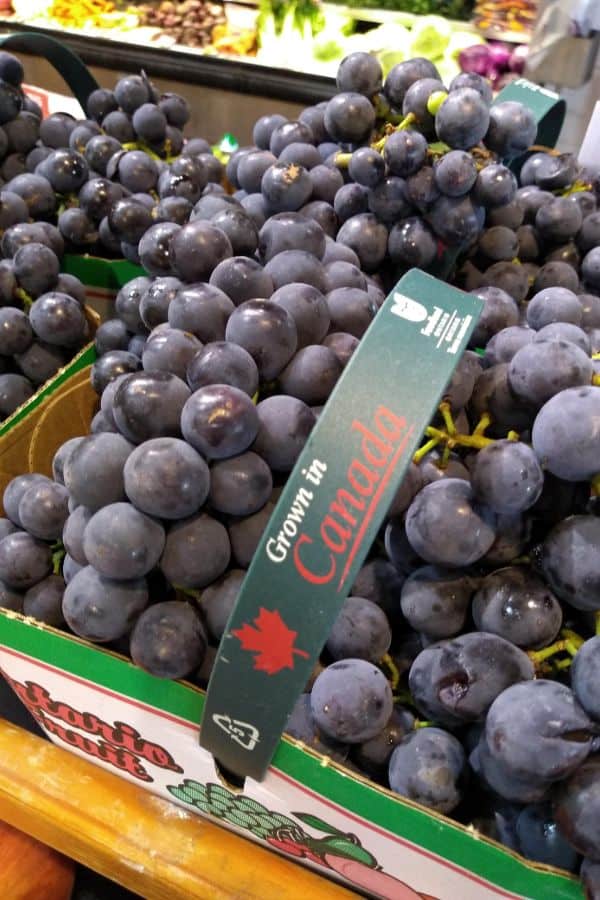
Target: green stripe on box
(93, 271)
(85, 358)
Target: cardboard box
(100, 706)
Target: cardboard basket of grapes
(308, 541)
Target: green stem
(425, 449)
(24, 296)
(406, 122)
(342, 160)
(394, 674)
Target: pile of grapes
(462, 670)
(104, 180)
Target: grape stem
(477, 441)
(446, 412)
(595, 485)
(342, 160)
(570, 642)
(22, 294)
(394, 674)
(597, 622)
(58, 555)
(422, 723)
(425, 449)
(406, 122)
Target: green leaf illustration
(317, 823)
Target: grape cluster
(43, 320)
(461, 671)
(106, 179)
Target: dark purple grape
(172, 209)
(349, 117)
(404, 152)
(14, 391)
(290, 231)
(58, 319)
(241, 485)
(202, 310)
(267, 331)
(342, 344)
(412, 243)
(239, 228)
(24, 560)
(242, 279)
(512, 128)
(537, 729)
(183, 565)
(37, 193)
(196, 250)
(155, 248)
(286, 187)
(100, 103)
(388, 200)
(516, 605)
(223, 362)
(300, 154)
(351, 700)
(43, 510)
(176, 109)
(428, 766)
(149, 405)
(168, 640)
(14, 491)
(367, 237)
(121, 542)
(456, 681)
(43, 601)
(436, 601)
(284, 426)
(309, 310)
(219, 421)
(93, 470)
(286, 133)
(402, 75)
(16, 334)
(129, 220)
(166, 478)
(102, 609)
(351, 310)
(360, 72)
(154, 305)
(77, 228)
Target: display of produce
(460, 671)
(506, 19)
(306, 35)
(190, 22)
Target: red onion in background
(518, 58)
(499, 55)
(476, 59)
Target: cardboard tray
(103, 708)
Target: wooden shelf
(143, 842)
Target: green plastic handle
(74, 71)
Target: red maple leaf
(271, 640)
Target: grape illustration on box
(337, 851)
